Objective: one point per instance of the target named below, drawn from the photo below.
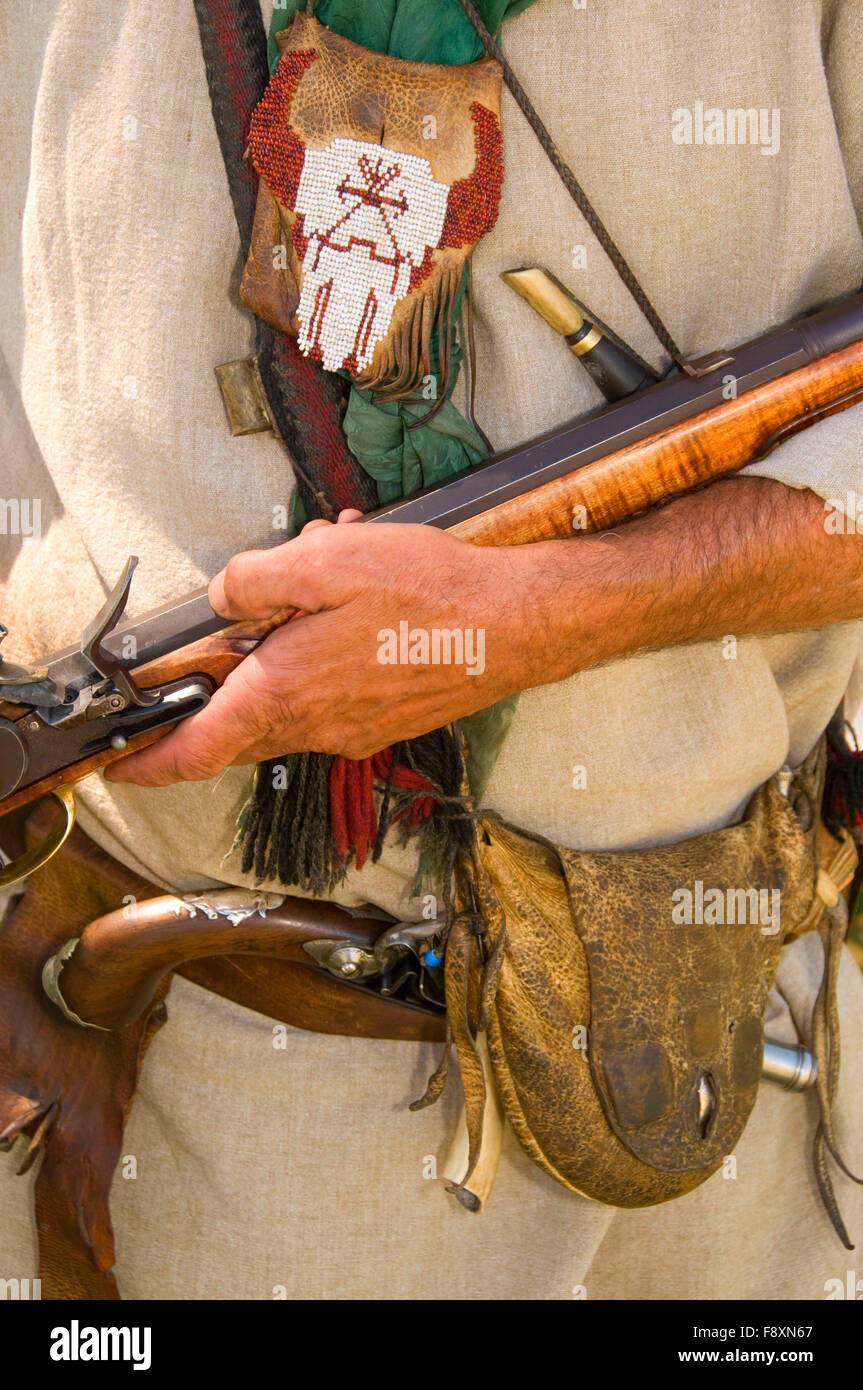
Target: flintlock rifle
(125, 686)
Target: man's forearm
(745, 555)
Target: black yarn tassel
(286, 836)
(286, 832)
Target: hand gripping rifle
(125, 686)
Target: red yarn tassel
(353, 818)
(353, 821)
(406, 779)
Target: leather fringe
(423, 338)
(474, 949)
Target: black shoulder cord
(583, 203)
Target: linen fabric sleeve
(827, 457)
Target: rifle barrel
(611, 428)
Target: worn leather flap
(682, 944)
(538, 1028)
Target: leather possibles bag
(626, 1044)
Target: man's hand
(321, 681)
(744, 555)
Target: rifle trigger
(100, 658)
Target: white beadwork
(369, 214)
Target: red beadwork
(277, 153)
(473, 202)
(298, 237)
(419, 272)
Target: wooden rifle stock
(618, 485)
(709, 445)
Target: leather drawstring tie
(475, 947)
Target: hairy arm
(745, 555)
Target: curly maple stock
(687, 455)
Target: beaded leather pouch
(615, 1001)
(378, 176)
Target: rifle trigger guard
(33, 859)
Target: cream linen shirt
(120, 264)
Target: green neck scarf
(422, 31)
